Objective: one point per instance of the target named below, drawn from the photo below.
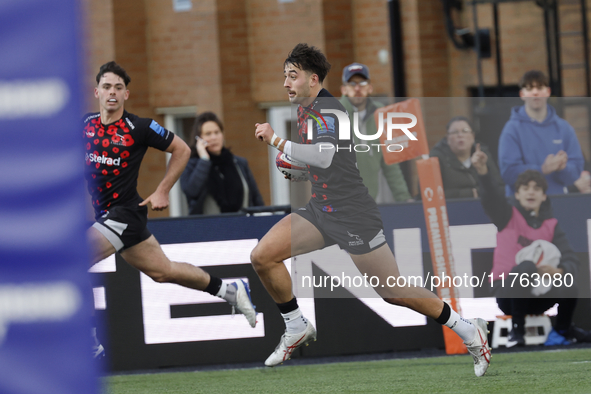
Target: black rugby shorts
(358, 234)
(124, 226)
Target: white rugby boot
(244, 303)
(479, 348)
(98, 352)
(289, 343)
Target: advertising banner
(437, 222)
(400, 147)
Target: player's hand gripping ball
(294, 170)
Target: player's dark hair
(114, 68)
(198, 125)
(458, 119)
(309, 59)
(527, 176)
(534, 78)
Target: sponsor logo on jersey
(92, 158)
(129, 123)
(324, 125)
(91, 117)
(327, 127)
(120, 141)
(158, 129)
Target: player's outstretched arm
(493, 201)
(180, 153)
(317, 155)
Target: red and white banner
(405, 149)
(439, 242)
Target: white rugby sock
(94, 338)
(464, 328)
(295, 322)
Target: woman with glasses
(454, 151)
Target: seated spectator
(459, 177)
(356, 89)
(536, 138)
(215, 180)
(522, 226)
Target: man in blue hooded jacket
(536, 138)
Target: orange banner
(400, 147)
(439, 242)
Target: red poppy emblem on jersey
(124, 155)
(97, 165)
(93, 176)
(96, 141)
(324, 185)
(115, 149)
(112, 130)
(316, 178)
(104, 172)
(100, 189)
(116, 172)
(121, 125)
(106, 143)
(324, 196)
(115, 138)
(115, 195)
(127, 140)
(101, 132)
(314, 195)
(105, 153)
(109, 185)
(88, 146)
(124, 164)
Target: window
(182, 5)
(180, 121)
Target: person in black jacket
(215, 180)
(459, 177)
(527, 223)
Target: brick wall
(100, 47)
(371, 33)
(338, 34)
(184, 55)
(274, 29)
(240, 110)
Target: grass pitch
(552, 371)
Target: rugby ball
(292, 169)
